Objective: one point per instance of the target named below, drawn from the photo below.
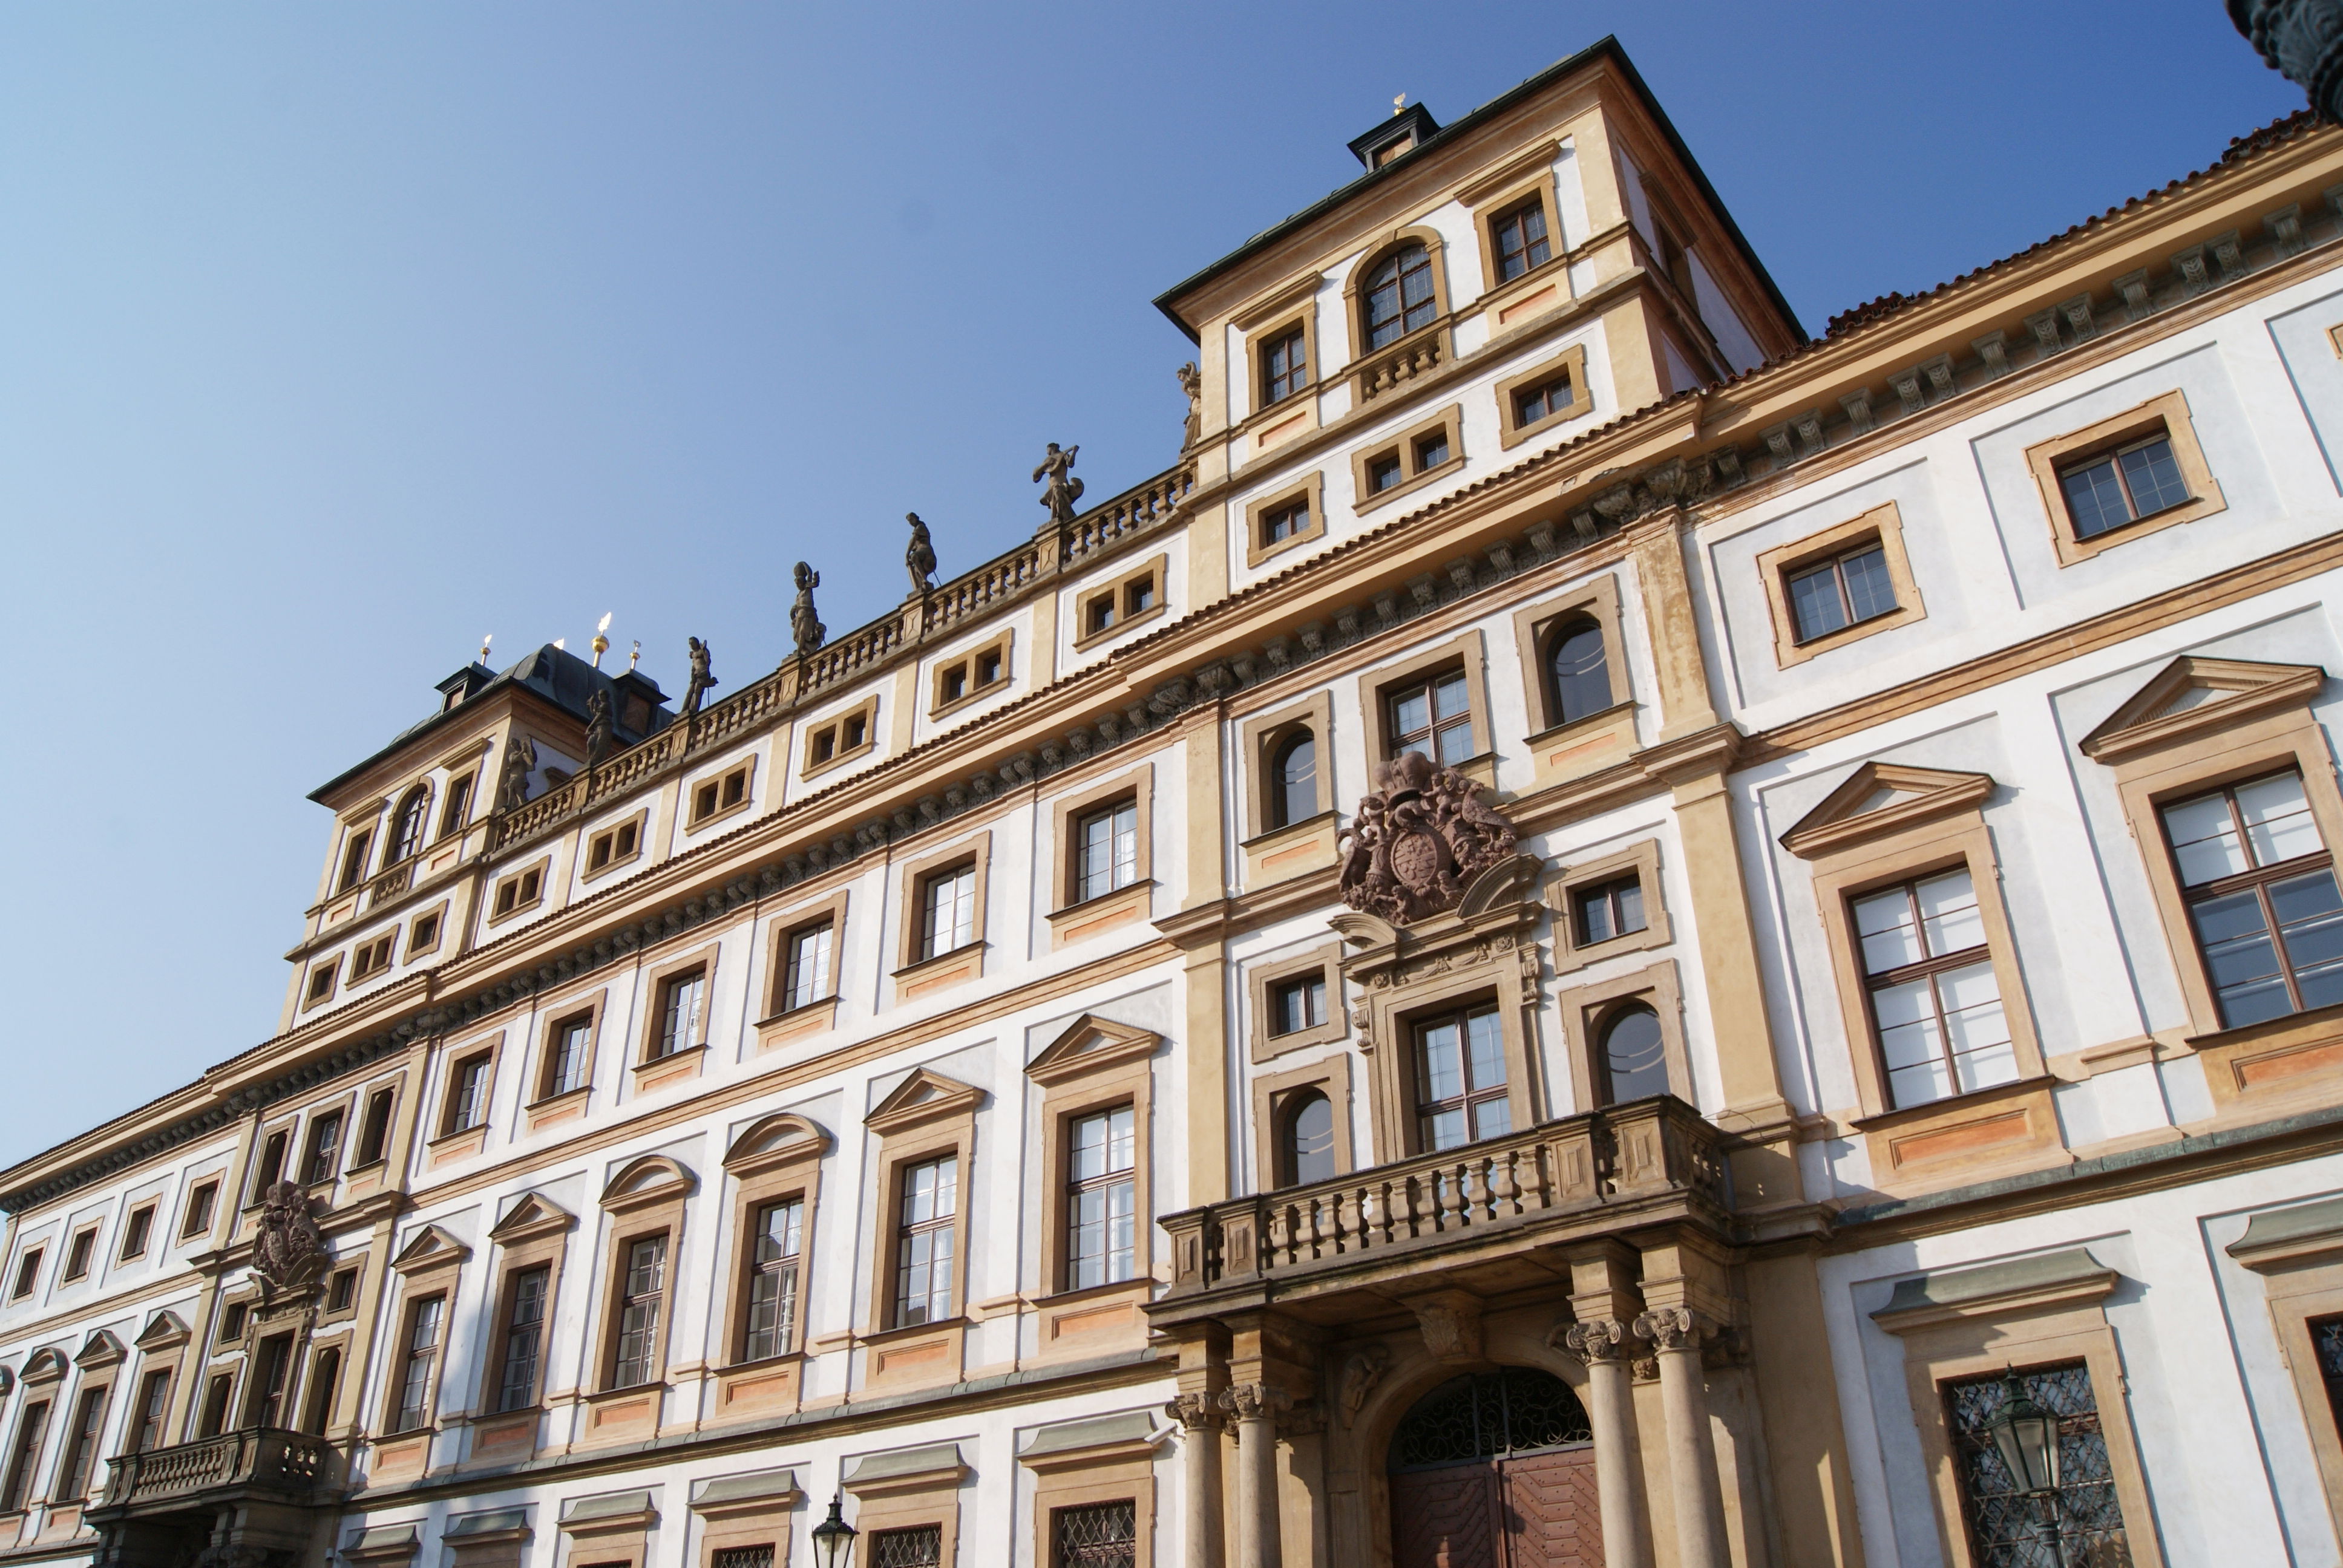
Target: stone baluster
(1256, 1406)
(1201, 1422)
(1676, 1335)
(1604, 1345)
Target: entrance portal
(1496, 1470)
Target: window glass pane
(1635, 1056)
(1949, 920)
(1977, 1027)
(1492, 1118)
(1412, 712)
(1297, 784)
(1814, 603)
(1488, 1050)
(2153, 476)
(1450, 699)
(1595, 919)
(1581, 681)
(1431, 452)
(1628, 897)
(1446, 1129)
(1868, 590)
(2238, 954)
(2278, 824)
(1311, 1149)
(2204, 838)
(1911, 1042)
(2095, 500)
(2310, 924)
(1456, 742)
(1884, 923)
(1443, 1063)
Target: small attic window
(453, 697)
(1408, 128)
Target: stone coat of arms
(287, 1250)
(1418, 840)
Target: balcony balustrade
(292, 1466)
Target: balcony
(1476, 1216)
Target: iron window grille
(2008, 1529)
(1096, 1535)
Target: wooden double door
(1524, 1510)
(1496, 1470)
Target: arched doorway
(1496, 1470)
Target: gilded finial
(636, 657)
(486, 639)
(601, 637)
(1399, 104)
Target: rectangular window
(1281, 523)
(424, 935)
(354, 858)
(2006, 1526)
(1102, 1206)
(275, 1365)
(1531, 404)
(342, 1290)
(1285, 367)
(614, 844)
(2260, 889)
(1935, 998)
(1609, 909)
(991, 668)
(524, 1338)
(324, 1158)
(420, 1355)
(217, 1393)
(369, 959)
(458, 806)
(1297, 1004)
(924, 1255)
(919, 1546)
(232, 1323)
(201, 1203)
(28, 1274)
(141, 1228)
(1833, 594)
(2123, 486)
(1460, 1086)
(1384, 473)
(1432, 450)
(519, 892)
(31, 1429)
(947, 912)
(722, 794)
(467, 1094)
(1099, 615)
(681, 998)
(807, 977)
(1432, 717)
(77, 1255)
(1521, 241)
(324, 1372)
(373, 1142)
(773, 1283)
(636, 1357)
(1096, 1535)
(153, 1404)
(269, 1169)
(1106, 846)
(321, 981)
(572, 1050)
(81, 1446)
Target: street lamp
(833, 1538)
(2027, 1437)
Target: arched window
(407, 830)
(1400, 295)
(1634, 1055)
(1293, 779)
(1579, 672)
(1305, 1150)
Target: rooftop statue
(805, 628)
(1064, 490)
(2302, 40)
(597, 729)
(919, 556)
(702, 678)
(512, 783)
(1192, 382)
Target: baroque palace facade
(1593, 933)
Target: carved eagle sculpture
(1418, 840)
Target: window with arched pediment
(1401, 295)
(407, 825)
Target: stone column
(1256, 1406)
(1200, 1422)
(1676, 1333)
(1604, 1345)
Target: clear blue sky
(332, 337)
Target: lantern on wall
(2027, 1437)
(833, 1538)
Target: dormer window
(1400, 296)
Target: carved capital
(1598, 1340)
(1255, 1401)
(1196, 1412)
(1674, 1329)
